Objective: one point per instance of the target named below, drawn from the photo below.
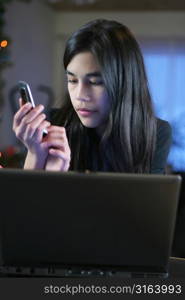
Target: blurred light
(3, 44)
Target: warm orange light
(3, 44)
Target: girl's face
(87, 91)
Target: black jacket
(163, 143)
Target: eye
(72, 81)
(96, 82)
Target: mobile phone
(25, 92)
(26, 95)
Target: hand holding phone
(26, 96)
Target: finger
(55, 135)
(57, 132)
(54, 128)
(39, 132)
(59, 153)
(61, 145)
(34, 113)
(57, 143)
(21, 102)
(31, 128)
(20, 114)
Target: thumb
(21, 102)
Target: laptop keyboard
(51, 272)
(7, 271)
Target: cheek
(105, 103)
(69, 91)
(71, 95)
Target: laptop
(86, 224)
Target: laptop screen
(111, 220)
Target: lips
(85, 109)
(85, 112)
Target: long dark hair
(128, 141)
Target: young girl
(106, 123)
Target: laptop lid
(108, 220)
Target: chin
(89, 124)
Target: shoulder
(163, 144)
(164, 136)
(164, 130)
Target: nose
(83, 93)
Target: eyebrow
(92, 74)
